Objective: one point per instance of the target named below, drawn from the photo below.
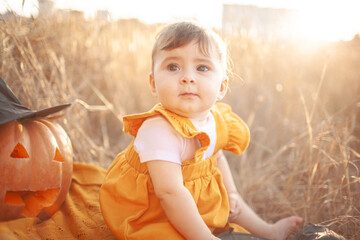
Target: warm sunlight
(152, 11)
(332, 21)
(319, 20)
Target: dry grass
(302, 106)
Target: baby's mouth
(188, 94)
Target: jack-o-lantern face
(35, 168)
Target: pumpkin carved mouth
(34, 201)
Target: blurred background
(295, 81)
(307, 19)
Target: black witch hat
(11, 108)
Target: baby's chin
(191, 113)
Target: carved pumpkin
(35, 168)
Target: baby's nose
(187, 79)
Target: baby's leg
(249, 220)
(285, 226)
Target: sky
(337, 19)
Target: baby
(173, 181)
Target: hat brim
(6, 117)
(11, 109)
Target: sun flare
(318, 21)
(328, 22)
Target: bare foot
(285, 226)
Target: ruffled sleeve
(235, 130)
(132, 123)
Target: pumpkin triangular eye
(58, 156)
(19, 152)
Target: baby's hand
(235, 205)
(285, 226)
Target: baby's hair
(181, 33)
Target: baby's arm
(233, 195)
(177, 201)
(246, 217)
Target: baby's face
(188, 82)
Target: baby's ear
(152, 84)
(223, 88)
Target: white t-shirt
(158, 140)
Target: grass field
(302, 105)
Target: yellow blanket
(78, 218)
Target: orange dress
(127, 198)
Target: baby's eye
(203, 68)
(173, 67)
